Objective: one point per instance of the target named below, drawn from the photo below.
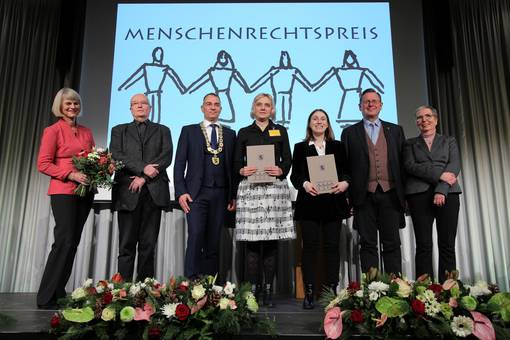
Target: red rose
(155, 332)
(357, 316)
(436, 288)
(354, 286)
(102, 160)
(418, 306)
(117, 278)
(55, 320)
(182, 312)
(183, 287)
(107, 298)
(91, 291)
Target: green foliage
(392, 307)
(500, 303)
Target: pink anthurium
(483, 327)
(333, 323)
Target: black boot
(308, 300)
(268, 295)
(332, 287)
(256, 289)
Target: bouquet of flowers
(384, 307)
(99, 167)
(179, 309)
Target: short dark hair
(369, 90)
(211, 94)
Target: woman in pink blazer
(60, 142)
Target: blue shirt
(373, 133)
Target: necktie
(214, 138)
(372, 133)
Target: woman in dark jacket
(323, 212)
(432, 164)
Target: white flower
(224, 303)
(217, 289)
(229, 288)
(479, 289)
(169, 309)
(134, 290)
(198, 292)
(78, 293)
(99, 150)
(93, 155)
(87, 283)
(99, 289)
(378, 286)
(432, 308)
(143, 285)
(359, 293)
(111, 286)
(404, 288)
(462, 326)
(373, 296)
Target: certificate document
(260, 156)
(322, 170)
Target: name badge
(274, 133)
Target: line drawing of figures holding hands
(283, 78)
(154, 75)
(350, 77)
(221, 76)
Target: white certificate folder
(260, 156)
(322, 170)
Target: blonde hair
(257, 97)
(64, 93)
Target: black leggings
(257, 253)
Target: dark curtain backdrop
(40, 49)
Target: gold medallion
(215, 160)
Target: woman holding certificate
(264, 208)
(317, 211)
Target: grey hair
(423, 107)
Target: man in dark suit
(206, 190)
(141, 188)
(374, 163)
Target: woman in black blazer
(432, 164)
(314, 211)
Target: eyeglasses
(139, 103)
(427, 116)
(373, 101)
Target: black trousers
(381, 212)
(70, 213)
(138, 227)
(205, 222)
(423, 212)
(311, 232)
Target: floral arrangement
(99, 167)
(384, 307)
(180, 309)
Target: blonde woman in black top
(264, 210)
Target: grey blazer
(424, 167)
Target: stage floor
(292, 322)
